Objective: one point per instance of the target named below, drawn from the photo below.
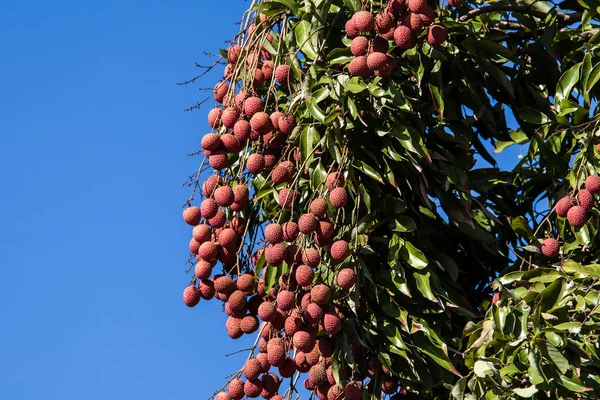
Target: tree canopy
(351, 182)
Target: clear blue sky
(92, 155)
(93, 144)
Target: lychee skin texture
(285, 300)
(359, 67)
(346, 278)
(275, 352)
(214, 117)
(229, 117)
(313, 313)
(207, 289)
(318, 207)
(287, 369)
(256, 163)
(585, 199)
(286, 123)
(332, 323)
(353, 390)
(437, 35)
(563, 206)
(236, 389)
(282, 73)
(203, 269)
(223, 396)
(246, 283)
(218, 160)
(230, 143)
(338, 197)
(252, 369)
(218, 221)
(592, 183)
(224, 196)
(209, 208)
(403, 37)
(304, 275)
(210, 184)
(210, 141)
(274, 233)
(208, 251)
(320, 294)
(350, 29)
(416, 6)
(577, 216)
(359, 46)
(191, 296)
(267, 311)
(241, 130)
(290, 231)
(339, 250)
(261, 122)
(275, 254)
(384, 21)
(364, 21)
(311, 257)
(233, 53)
(307, 223)
(252, 105)
(286, 198)
(192, 215)
(317, 375)
(334, 180)
(550, 247)
(376, 61)
(253, 388)
(303, 341)
(237, 300)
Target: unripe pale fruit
(577, 216)
(282, 74)
(585, 199)
(320, 294)
(255, 164)
(274, 233)
(313, 313)
(192, 215)
(346, 278)
(564, 205)
(592, 183)
(359, 46)
(437, 35)
(550, 247)
(338, 197)
(191, 296)
(339, 250)
(403, 37)
(364, 21)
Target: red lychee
(286, 124)
(455, 3)
(586, 199)
(210, 141)
(437, 35)
(233, 53)
(550, 247)
(325, 229)
(313, 313)
(214, 117)
(339, 250)
(230, 144)
(317, 375)
(353, 390)
(283, 173)
(218, 160)
(224, 284)
(346, 278)
(207, 289)
(256, 163)
(403, 37)
(282, 74)
(292, 325)
(267, 311)
(318, 207)
(246, 283)
(236, 389)
(350, 28)
(285, 300)
(252, 369)
(563, 206)
(224, 196)
(304, 275)
(384, 21)
(271, 157)
(261, 122)
(577, 216)
(191, 215)
(311, 257)
(376, 60)
(303, 341)
(210, 184)
(592, 183)
(191, 296)
(364, 21)
(358, 67)
(253, 388)
(307, 223)
(203, 269)
(332, 323)
(338, 197)
(194, 246)
(275, 254)
(417, 6)
(320, 294)
(290, 231)
(229, 117)
(227, 238)
(264, 362)
(208, 208)
(333, 180)
(252, 105)
(219, 220)
(275, 351)
(359, 46)
(241, 130)
(287, 369)
(380, 45)
(286, 197)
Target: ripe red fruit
(285, 300)
(290, 231)
(417, 6)
(236, 389)
(550, 247)
(233, 53)
(275, 351)
(282, 74)
(307, 223)
(191, 296)
(256, 163)
(313, 313)
(287, 369)
(267, 69)
(222, 396)
(274, 233)
(224, 284)
(261, 122)
(286, 124)
(585, 199)
(252, 369)
(338, 197)
(286, 197)
(358, 67)
(241, 130)
(320, 294)
(311, 257)
(252, 105)
(219, 220)
(227, 238)
(332, 323)
(214, 117)
(384, 21)
(397, 7)
(427, 16)
(271, 157)
(564, 205)
(592, 183)
(271, 384)
(229, 117)
(403, 37)
(346, 278)
(317, 375)
(495, 298)
(253, 388)
(224, 196)
(353, 390)
(258, 78)
(211, 141)
(191, 215)
(207, 289)
(208, 208)
(283, 173)
(194, 246)
(359, 46)
(267, 311)
(437, 35)
(230, 144)
(203, 269)
(339, 250)
(304, 275)
(218, 160)
(210, 184)
(318, 207)
(325, 229)
(292, 325)
(275, 254)
(364, 21)
(303, 341)
(246, 283)
(333, 180)
(350, 28)
(376, 61)
(577, 216)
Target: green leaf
(403, 223)
(423, 284)
(566, 82)
(458, 391)
(353, 5)
(532, 116)
(550, 296)
(315, 110)
(413, 256)
(554, 355)
(366, 169)
(303, 30)
(483, 368)
(354, 86)
(522, 228)
(581, 271)
(526, 392)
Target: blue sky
(93, 144)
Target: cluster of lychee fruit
(401, 21)
(576, 210)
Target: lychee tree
(341, 214)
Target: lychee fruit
(550, 247)
(353, 390)
(267, 69)
(326, 346)
(455, 3)
(271, 384)
(283, 173)
(252, 369)
(224, 284)
(223, 396)
(233, 327)
(563, 205)
(282, 74)
(210, 141)
(224, 196)
(339, 250)
(285, 300)
(303, 341)
(307, 223)
(403, 37)
(261, 122)
(376, 60)
(304, 275)
(253, 388)
(384, 21)
(332, 323)
(229, 117)
(325, 229)
(267, 311)
(191, 296)
(286, 197)
(287, 369)
(194, 246)
(255, 163)
(290, 231)
(236, 389)
(219, 220)
(292, 325)
(192, 215)
(275, 254)
(364, 21)
(350, 28)
(210, 184)
(311, 257)
(334, 180)
(246, 283)
(275, 351)
(417, 6)
(237, 300)
(437, 35)
(346, 278)
(317, 375)
(214, 117)
(271, 156)
(207, 289)
(252, 105)
(338, 197)
(592, 183)
(233, 53)
(203, 269)
(274, 233)
(585, 199)
(313, 313)
(286, 124)
(230, 144)
(359, 46)
(320, 294)
(380, 45)
(577, 216)
(358, 67)
(218, 160)
(241, 130)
